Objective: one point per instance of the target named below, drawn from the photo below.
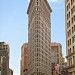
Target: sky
(14, 27)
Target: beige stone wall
(70, 34)
(39, 37)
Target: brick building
(24, 59)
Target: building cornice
(70, 54)
(69, 67)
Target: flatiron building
(39, 37)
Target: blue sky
(14, 27)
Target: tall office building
(70, 35)
(39, 37)
(24, 59)
(57, 56)
(4, 58)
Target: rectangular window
(73, 39)
(68, 42)
(72, 11)
(37, 3)
(74, 8)
(73, 59)
(69, 23)
(67, 7)
(74, 17)
(69, 14)
(70, 61)
(72, 1)
(37, 54)
(73, 48)
(70, 50)
(72, 29)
